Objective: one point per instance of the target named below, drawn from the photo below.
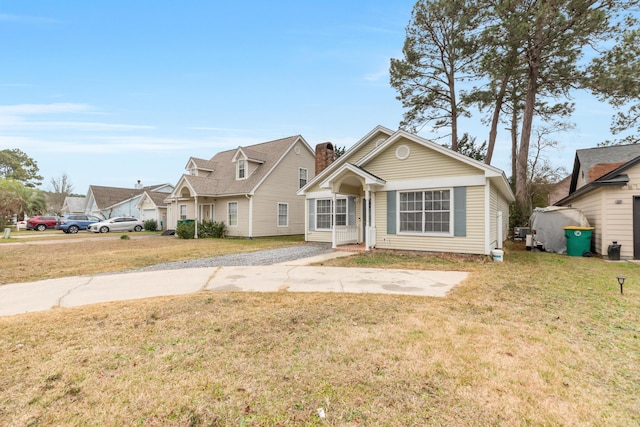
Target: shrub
(211, 229)
(151, 225)
(125, 237)
(186, 230)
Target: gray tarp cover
(548, 224)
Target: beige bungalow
(151, 206)
(605, 186)
(396, 190)
(251, 189)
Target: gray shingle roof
(590, 157)
(591, 160)
(109, 196)
(223, 180)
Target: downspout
(499, 230)
(248, 196)
(487, 217)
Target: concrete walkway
(294, 276)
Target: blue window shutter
(460, 211)
(312, 214)
(391, 212)
(351, 211)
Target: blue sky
(114, 92)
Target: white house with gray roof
(605, 186)
(251, 189)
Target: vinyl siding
(366, 148)
(421, 163)
(497, 203)
(591, 207)
(148, 204)
(281, 187)
(221, 214)
(354, 157)
(612, 221)
(503, 205)
(472, 243)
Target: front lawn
(86, 254)
(540, 339)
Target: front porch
(356, 227)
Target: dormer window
(242, 168)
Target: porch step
(351, 248)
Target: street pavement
(292, 276)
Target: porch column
(334, 238)
(250, 217)
(367, 228)
(195, 236)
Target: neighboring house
(605, 186)
(73, 205)
(560, 191)
(251, 189)
(110, 202)
(152, 206)
(396, 190)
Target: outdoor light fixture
(621, 282)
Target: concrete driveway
(294, 276)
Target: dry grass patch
(72, 257)
(540, 339)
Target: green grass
(540, 339)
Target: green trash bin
(578, 240)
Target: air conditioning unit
(520, 233)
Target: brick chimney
(324, 156)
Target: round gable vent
(402, 152)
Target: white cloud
(16, 118)
(24, 19)
(28, 109)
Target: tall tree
(615, 77)
(15, 164)
(61, 188)
(542, 175)
(440, 51)
(17, 199)
(554, 36)
(467, 146)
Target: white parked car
(119, 223)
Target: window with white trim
(324, 213)
(183, 212)
(425, 212)
(302, 177)
(242, 168)
(283, 215)
(232, 214)
(341, 211)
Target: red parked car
(41, 222)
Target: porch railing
(346, 234)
